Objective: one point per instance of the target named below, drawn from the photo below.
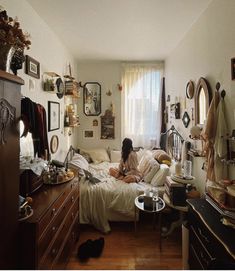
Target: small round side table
(158, 206)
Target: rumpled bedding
(110, 196)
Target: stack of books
(176, 192)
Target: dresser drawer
(60, 237)
(72, 238)
(196, 244)
(53, 227)
(53, 211)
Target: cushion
(161, 155)
(86, 156)
(79, 161)
(140, 153)
(115, 156)
(149, 164)
(160, 177)
(146, 162)
(151, 173)
(98, 155)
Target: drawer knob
(72, 199)
(72, 215)
(54, 251)
(54, 211)
(203, 236)
(53, 228)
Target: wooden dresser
(211, 244)
(47, 237)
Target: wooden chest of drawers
(47, 237)
(211, 244)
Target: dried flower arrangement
(11, 33)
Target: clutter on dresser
(31, 174)
(56, 175)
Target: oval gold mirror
(190, 89)
(202, 101)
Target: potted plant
(12, 39)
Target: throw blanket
(98, 201)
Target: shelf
(69, 77)
(52, 74)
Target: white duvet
(110, 199)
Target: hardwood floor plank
(125, 249)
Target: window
(141, 103)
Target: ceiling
(124, 30)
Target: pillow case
(115, 156)
(146, 162)
(161, 155)
(151, 173)
(97, 155)
(160, 177)
(78, 163)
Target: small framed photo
(88, 134)
(32, 67)
(53, 116)
(233, 68)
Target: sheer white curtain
(141, 103)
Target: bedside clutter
(179, 189)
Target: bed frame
(171, 142)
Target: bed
(110, 199)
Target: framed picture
(88, 134)
(233, 68)
(32, 67)
(53, 116)
(92, 99)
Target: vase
(6, 54)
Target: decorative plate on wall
(186, 119)
(190, 89)
(54, 144)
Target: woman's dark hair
(126, 148)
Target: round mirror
(202, 101)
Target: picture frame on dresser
(53, 116)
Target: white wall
(205, 51)
(108, 74)
(52, 55)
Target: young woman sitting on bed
(127, 170)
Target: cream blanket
(99, 202)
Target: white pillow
(140, 153)
(143, 163)
(79, 161)
(98, 155)
(152, 172)
(146, 163)
(160, 177)
(115, 156)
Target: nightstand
(158, 206)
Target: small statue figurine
(17, 60)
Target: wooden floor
(125, 249)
